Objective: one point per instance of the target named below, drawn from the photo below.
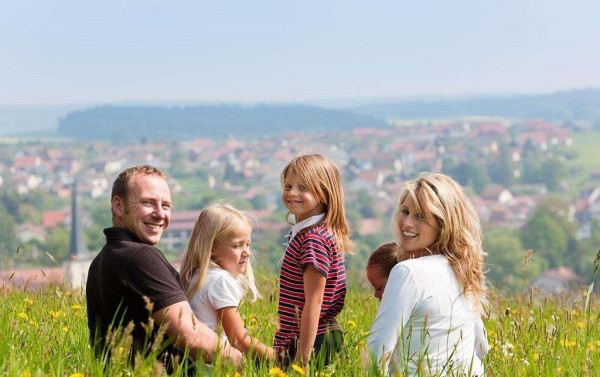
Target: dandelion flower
(277, 372)
(75, 306)
(298, 368)
(28, 301)
(25, 374)
(77, 375)
(22, 315)
(581, 324)
(65, 329)
(351, 323)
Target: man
(130, 281)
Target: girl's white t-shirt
(219, 290)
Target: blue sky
(90, 51)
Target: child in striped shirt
(312, 282)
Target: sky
(105, 51)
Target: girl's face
(233, 253)
(299, 200)
(418, 230)
(377, 280)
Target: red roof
(52, 219)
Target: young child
(380, 263)
(216, 274)
(312, 284)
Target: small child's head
(311, 185)
(221, 238)
(379, 265)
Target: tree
(550, 234)
(509, 264)
(57, 245)
(8, 240)
(553, 171)
(502, 169)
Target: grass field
(586, 145)
(44, 333)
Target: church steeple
(77, 248)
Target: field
(44, 333)
(586, 145)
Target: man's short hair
(122, 183)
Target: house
(53, 219)
(29, 231)
(557, 280)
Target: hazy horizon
(96, 52)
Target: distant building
(79, 260)
(557, 280)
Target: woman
(428, 322)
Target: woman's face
(417, 230)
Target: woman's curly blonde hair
(460, 235)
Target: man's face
(147, 210)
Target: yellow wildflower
(28, 301)
(25, 374)
(298, 368)
(536, 356)
(598, 342)
(65, 329)
(351, 323)
(22, 315)
(558, 369)
(77, 375)
(54, 314)
(32, 323)
(75, 306)
(68, 293)
(581, 324)
(277, 372)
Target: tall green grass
(44, 333)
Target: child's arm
(314, 289)
(238, 337)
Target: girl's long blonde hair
(215, 223)
(460, 235)
(322, 178)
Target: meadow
(44, 333)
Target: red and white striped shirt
(315, 246)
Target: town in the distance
(528, 178)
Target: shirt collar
(305, 224)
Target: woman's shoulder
(427, 262)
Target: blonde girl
(216, 274)
(428, 322)
(312, 284)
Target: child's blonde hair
(215, 223)
(322, 178)
(384, 258)
(460, 236)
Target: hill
(215, 121)
(581, 104)
(25, 120)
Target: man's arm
(187, 331)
